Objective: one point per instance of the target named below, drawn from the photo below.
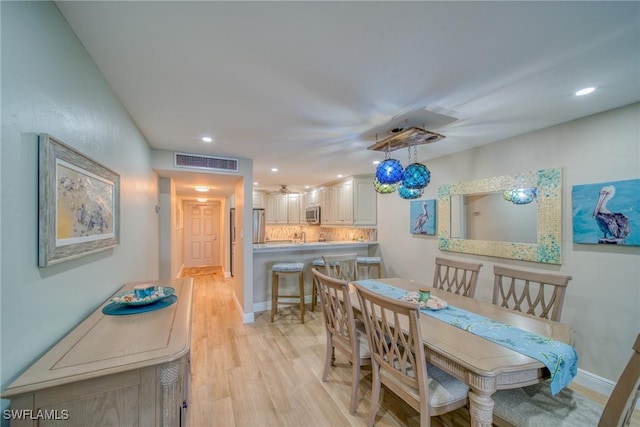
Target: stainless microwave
(312, 215)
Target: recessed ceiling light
(274, 169)
(207, 139)
(585, 91)
(376, 162)
(201, 188)
(255, 183)
(202, 199)
(306, 186)
(340, 175)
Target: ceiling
(307, 86)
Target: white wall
(50, 85)
(603, 299)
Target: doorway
(201, 234)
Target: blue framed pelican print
(422, 218)
(607, 213)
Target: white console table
(130, 370)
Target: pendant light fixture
(389, 171)
(384, 188)
(416, 175)
(390, 176)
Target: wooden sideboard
(130, 370)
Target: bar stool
(286, 269)
(369, 262)
(318, 264)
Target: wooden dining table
(482, 364)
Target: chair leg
(274, 294)
(301, 282)
(355, 380)
(328, 361)
(375, 393)
(314, 293)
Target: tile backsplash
(288, 232)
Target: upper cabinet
(349, 202)
(259, 200)
(283, 208)
(276, 211)
(312, 198)
(293, 208)
(365, 201)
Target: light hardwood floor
(270, 374)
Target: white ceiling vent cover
(197, 161)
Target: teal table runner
(561, 359)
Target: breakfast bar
(267, 254)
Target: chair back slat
(457, 277)
(539, 294)
(341, 266)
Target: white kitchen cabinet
(344, 203)
(313, 198)
(259, 200)
(328, 205)
(365, 201)
(349, 202)
(283, 209)
(276, 210)
(293, 208)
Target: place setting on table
(141, 299)
(493, 368)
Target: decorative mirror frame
(549, 217)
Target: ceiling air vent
(197, 161)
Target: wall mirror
(478, 217)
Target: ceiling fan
(284, 189)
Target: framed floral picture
(78, 206)
(422, 218)
(607, 213)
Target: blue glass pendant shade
(522, 196)
(409, 193)
(384, 188)
(416, 176)
(389, 171)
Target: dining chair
(342, 330)
(458, 277)
(341, 266)
(535, 293)
(399, 362)
(534, 406)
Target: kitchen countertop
(299, 246)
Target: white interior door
(202, 234)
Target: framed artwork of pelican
(607, 213)
(422, 218)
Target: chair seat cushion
(534, 406)
(289, 267)
(369, 260)
(444, 389)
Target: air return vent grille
(197, 161)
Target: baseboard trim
(245, 317)
(597, 383)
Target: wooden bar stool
(368, 262)
(286, 269)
